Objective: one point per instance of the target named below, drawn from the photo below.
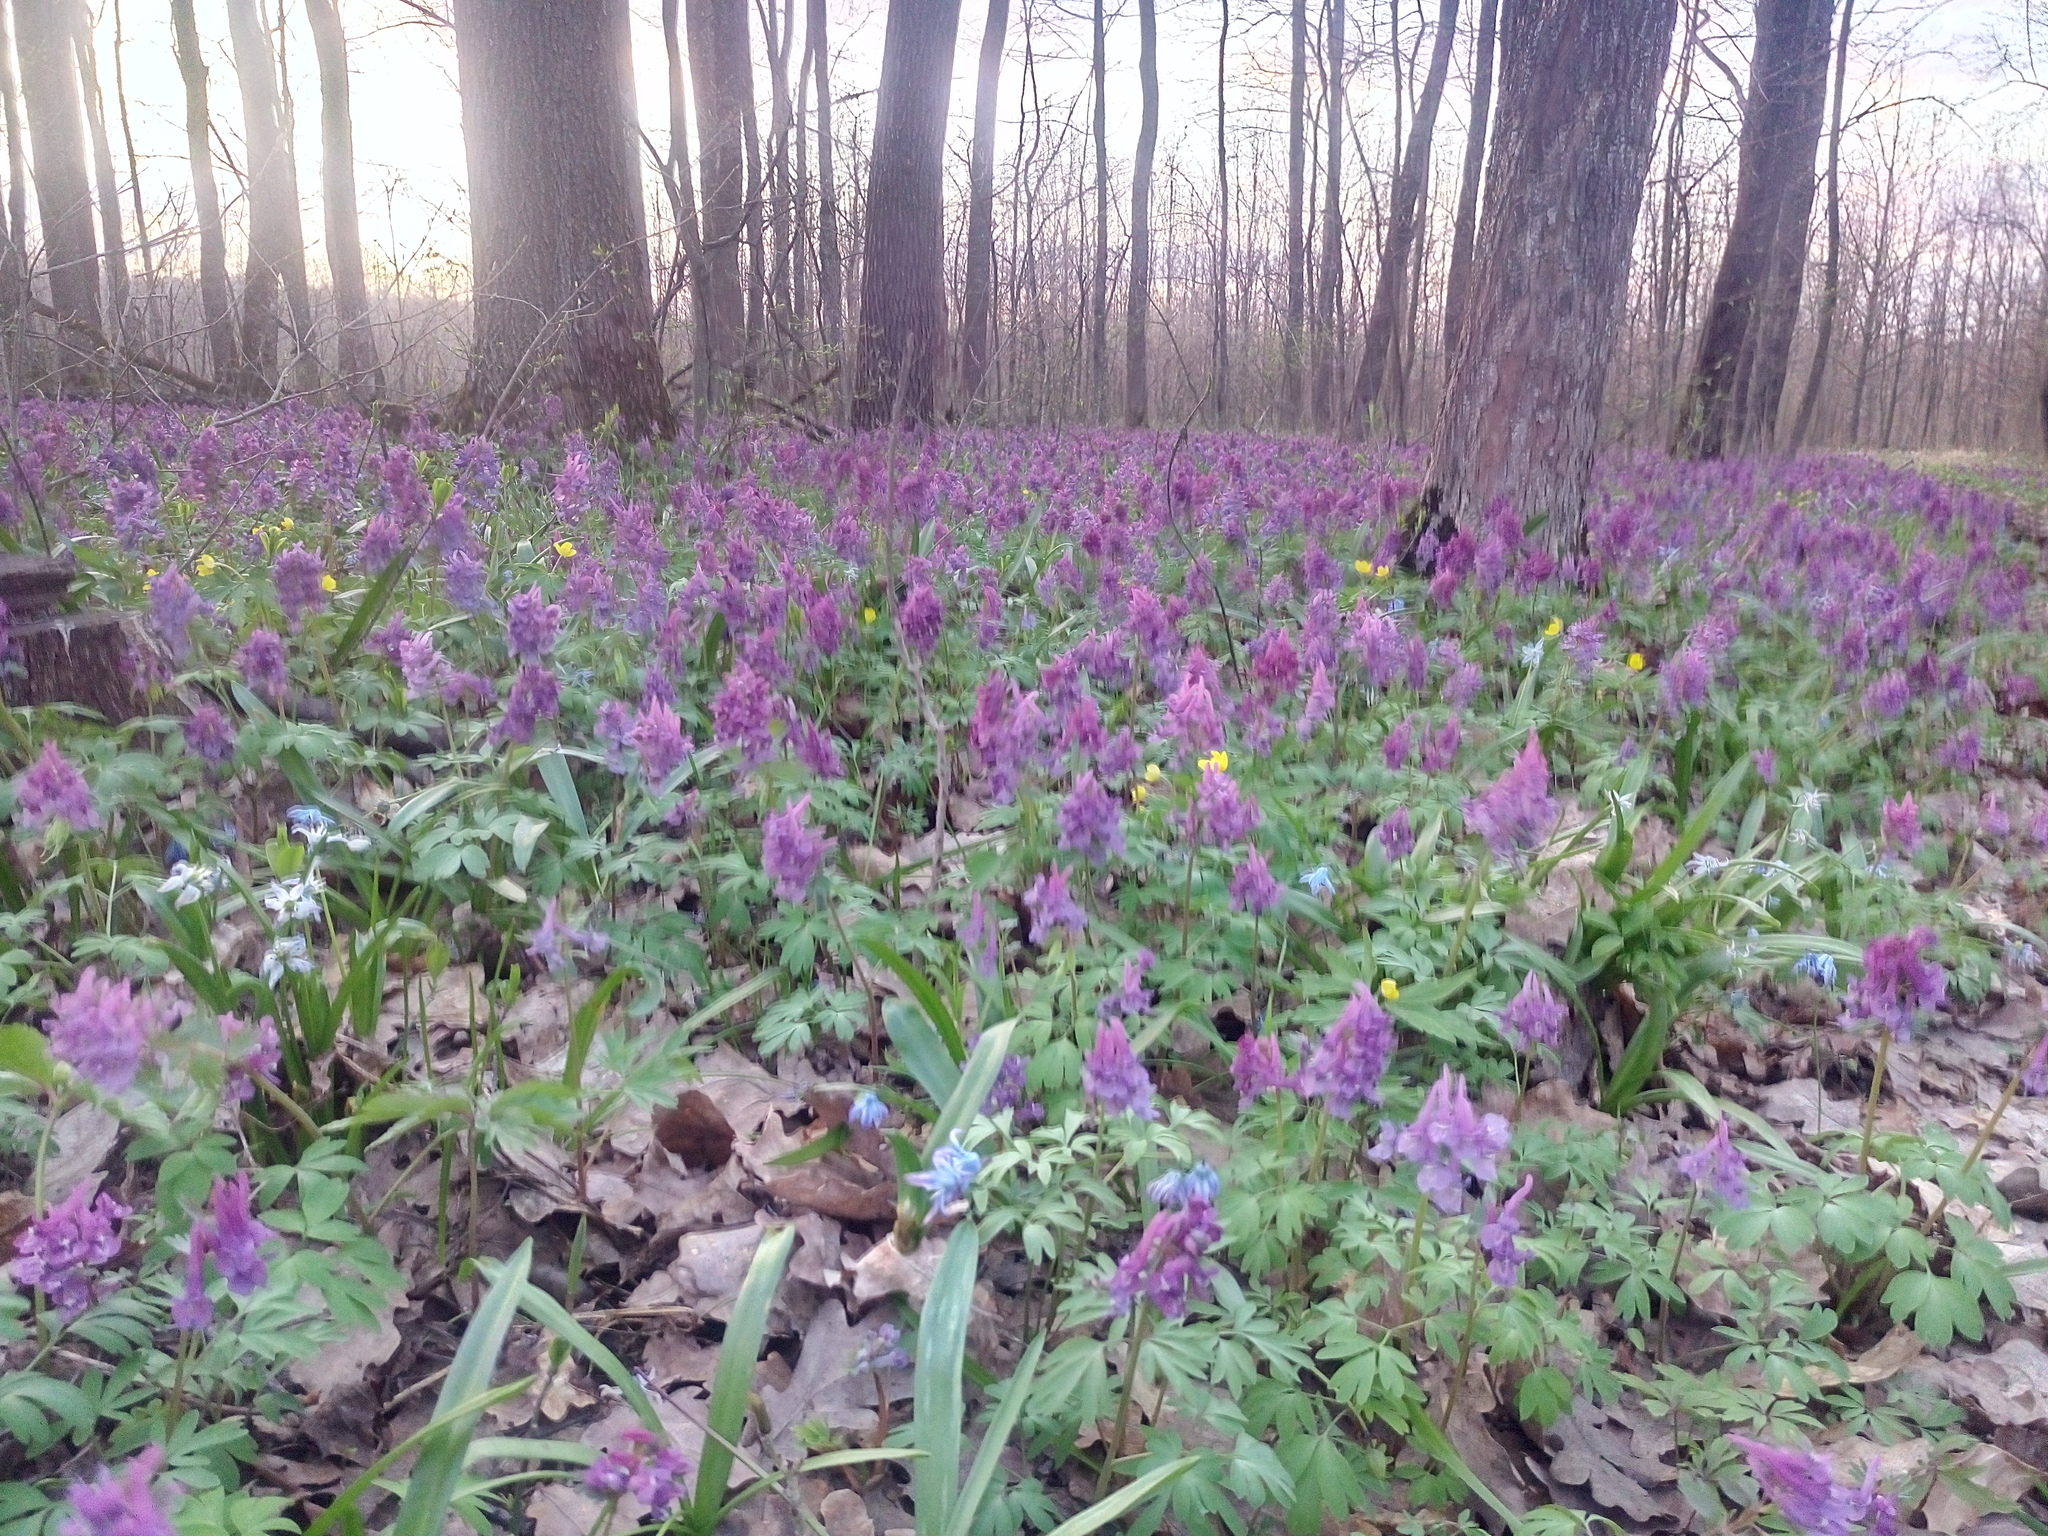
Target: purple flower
(1322, 698)
(1992, 819)
(1052, 906)
(1803, 1486)
(1765, 762)
(741, 714)
(653, 1472)
(815, 749)
(982, 935)
(1168, 1267)
(1348, 1062)
(51, 789)
(61, 1252)
(1191, 717)
(1901, 822)
(422, 666)
(123, 1503)
(1515, 813)
(1257, 1068)
(1897, 985)
(1686, 679)
(1395, 835)
(1448, 1140)
(1223, 814)
(531, 625)
(920, 619)
(1090, 822)
(1399, 743)
(237, 1236)
(301, 582)
(467, 580)
(881, 1350)
(253, 1053)
(1440, 751)
(2034, 1075)
(657, 735)
(1113, 1078)
(1534, 1017)
(1252, 886)
(1497, 1233)
(1133, 999)
(209, 736)
(790, 851)
(173, 605)
(1716, 1164)
(554, 942)
(1013, 1078)
(1889, 695)
(262, 660)
(536, 694)
(101, 1028)
(192, 1310)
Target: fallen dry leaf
(1983, 1480)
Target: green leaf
(1545, 1394)
(372, 607)
(941, 1347)
(25, 1050)
(983, 1472)
(1126, 1498)
(726, 1414)
(926, 994)
(553, 1316)
(1644, 1055)
(583, 1028)
(975, 1081)
(561, 783)
(921, 1050)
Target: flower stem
(1110, 1452)
(2012, 1087)
(1465, 1338)
(1677, 1258)
(1884, 1051)
(1410, 1259)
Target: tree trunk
(356, 345)
(1831, 278)
(682, 190)
(1329, 305)
(831, 277)
(106, 181)
(902, 341)
(134, 162)
(1098, 275)
(215, 303)
(1383, 321)
(277, 244)
(722, 73)
(1458, 282)
(1738, 375)
(556, 225)
(64, 201)
(1571, 145)
(1297, 226)
(1138, 306)
(981, 206)
(1219, 387)
(14, 287)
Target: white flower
(1622, 802)
(189, 882)
(1808, 799)
(1532, 654)
(286, 954)
(296, 900)
(1704, 864)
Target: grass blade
(983, 1472)
(976, 1078)
(941, 1349)
(926, 994)
(553, 1316)
(424, 1510)
(734, 1378)
(583, 1028)
(1123, 1500)
(920, 1049)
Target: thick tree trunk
(361, 373)
(1098, 274)
(14, 289)
(1383, 321)
(1571, 145)
(981, 206)
(557, 239)
(1330, 302)
(64, 201)
(902, 341)
(722, 74)
(1138, 307)
(277, 242)
(1458, 281)
(216, 305)
(831, 275)
(1297, 225)
(1732, 400)
(1831, 276)
(106, 182)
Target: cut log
(64, 658)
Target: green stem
(1465, 1338)
(1465, 922)
(43, 1148)
(1115, 1447)
(2012, 1087)
(1410, 1259)
(1884, 1051)
(1677, 1258)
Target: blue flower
(882, 1350)
(1319, 883)
(1182, 1185)
(1816, 967)
(868, 1110)
(950, 1176)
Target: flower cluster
(1716, 1165)
(1168, 1267)
(62, 1252)
(1802, 1484)
(1347, 1064)
(234, 1237)
(791, 853)
(123, 1503)
(1897, 984)
(1448, 1142)
(655, 1473)
(1113, 1078)
(1515, 813)
(102, 1028)
(1498, 1231)
(1535, 1016)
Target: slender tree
(981, 206)
(1138, 311)
(64, 198)
(1330, 301)
(1571, 146)
(106, 181)
(1219, 378)
(216, 306)
(1458, 280)
(557, 233)
(1384, 318)
(142, 240)
(1297, 224)
(277, 243)
(902, 341)
(722, 73)
(356, 345)
(1098, 273)
(682, 190)
(14, 288)
(1732, 401)
(831, 276)
(1831, 272)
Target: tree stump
(63, 658)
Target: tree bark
(277, 242)
(1138, 307)
(682, 190)
(216, 305)
(1098, 275)
(1458, 281)
(1571, 145)
(1732, 400)
(64, 200)
(981, 206)
(557, 230)
(1219, 385)
(722, 74)
(1831, 276)
(142, 241)
(106, 181)
(1384, 319)
(14, 286)
(1297, 226)
(831, 276)
(1329, 304)
(356, 345)
(902, 341)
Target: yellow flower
(1138, 793)
(1388, 990)
(150, 572)
(287, 524)
(565, 549)
(207, 565)
(1363, 567)
(1635, 661)
(1553, 629)
(328, 583)
(1152, 773)
(1383, 572)
(1218, 760)
(867, 615)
